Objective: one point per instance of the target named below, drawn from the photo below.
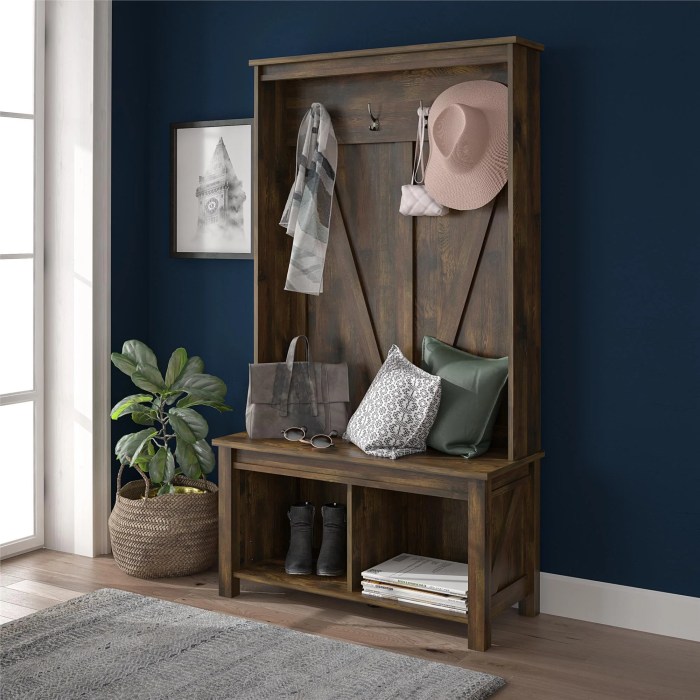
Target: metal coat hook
(374, 126)
(423, 112)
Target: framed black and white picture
(211, 189)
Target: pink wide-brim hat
(468, 134)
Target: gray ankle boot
(299, 556)
(332, 558)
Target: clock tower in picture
(221, 196)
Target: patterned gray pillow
(396, 414)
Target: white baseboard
(621, 606)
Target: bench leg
(530, 606)
(479, 552)
(229, 535)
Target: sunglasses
(320, 441)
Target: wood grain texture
(353, 570)
(524, 251)
(530, 605)
(541, 658)
(490, 466)
(6, 579)
(369, 190)
(350, 335)
(262, 519)
(46, 590)
(458, 276)
(229, 536)
(20, 596)
(448, 250)
(395, 50)
(12, 611)
(377, 529)
(274, 176)
(454, 514)
(508, 535)
(367, 302)
(393, 97)
(480, 542)
(272, 573)
(333, 67)
(485, 328)
(470, 278)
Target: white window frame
(36, 395)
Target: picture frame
(211, 189)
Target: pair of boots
(331, 559)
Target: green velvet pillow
(472, 387)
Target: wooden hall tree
(471, 279)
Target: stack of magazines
(408, 578)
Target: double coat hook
(374, 126)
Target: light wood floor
(542, 658)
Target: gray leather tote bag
(281, 395)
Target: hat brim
(473, 188)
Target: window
(21, 276)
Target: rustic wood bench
(484, 512)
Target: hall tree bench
(470, 279)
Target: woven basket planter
(173, 535)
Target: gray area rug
(113, 644)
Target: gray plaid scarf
(307, 214)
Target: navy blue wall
(130, 165)
(620, 250)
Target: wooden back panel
(470, 278)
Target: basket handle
(140, 471)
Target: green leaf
(169, 466)
(188, 401)
(123, 363)
(148, 378)
(187, 460)
(166, 489)
(196, 424)
(205, 456)
(145, 457)
(183, 432)
(173, 398)
(195, 365)
(130, 445)
(142, 462)
(127, 444)
(139, 408)
(143, 417)
(156, 466)
(146, 440)
(139, 353)
(206, 387)
(133, 400)
(177, 362)
(194, 460)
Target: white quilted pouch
(415, 200)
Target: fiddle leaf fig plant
(173, 440)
